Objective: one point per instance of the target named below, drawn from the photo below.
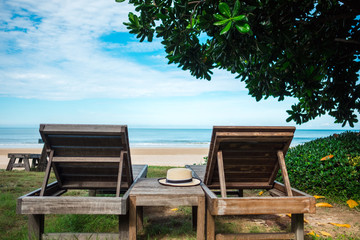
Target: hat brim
(194, 182)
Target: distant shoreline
(151, 156)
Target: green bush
(337, 177)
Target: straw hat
(181, 177)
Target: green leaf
(226, 28)
(221, 22)
(245, 28)
(119, 1)
(219, 17)
(225, 9)
(236, 8)
(240, 18)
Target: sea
(29, 137)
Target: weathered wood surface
(52, 204)
(255, 236)
(81, 236)
(89, 156)
(149, 192)
(250, 158)
(260, 205)
(22, 160)
(249, 154)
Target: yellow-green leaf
(323, 204)
(327, 157)
(318, 197)
(325, 234)
(312, 233)
(289, 215)
(352, 203)
(341, 225)
(174, 209)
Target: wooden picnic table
(22, 160)
(149, 192)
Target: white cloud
(57, 55)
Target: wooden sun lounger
(250, 158)
(92, 157)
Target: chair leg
(124, 226)
(140, 218)
(35, 226)
(210, 226)
(297, 225)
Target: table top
(151, 187)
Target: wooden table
(23, 160)
(149, 192)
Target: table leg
(132, 218)
(27, 164)
(194, 217)
(200, 234)
(10, 164)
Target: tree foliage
(306, 49)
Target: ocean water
(20, 137)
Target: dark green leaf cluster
(338, 177)
(308, 50)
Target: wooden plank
(221, 174)
(284, 173)
(86, 140)
(73, 205)
(90, 129)
(255, 236)
(171, 201)
(242, 185)
(81, 236)
(87, 151)
(47, 174)
(120, 171)
(86, 159)
(260, 205)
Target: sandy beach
(151, 156)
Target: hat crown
(176, 174)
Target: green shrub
(337, 177)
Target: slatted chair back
(88, 156)
(247, 157)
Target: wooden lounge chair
(93, 157)
(250, 158)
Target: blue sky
(75, 62)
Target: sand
(151, 156)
